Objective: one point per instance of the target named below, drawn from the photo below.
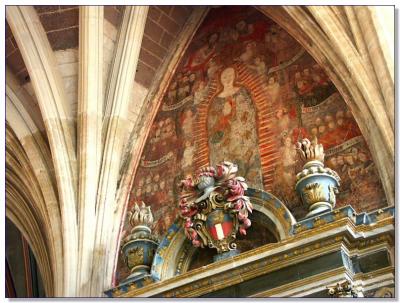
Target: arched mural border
(165, 260)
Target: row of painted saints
(301, 98)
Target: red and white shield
(219, 224)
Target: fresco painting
(232, 131)
(360, 181)
(236, 51)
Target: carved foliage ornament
(214, 207)
(310, 151)
(140, 215)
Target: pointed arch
(18, 212)
(39, 59)
(34, 154)
(26, 208)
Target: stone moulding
(212, 278)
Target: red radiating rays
(268, 146)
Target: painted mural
(232, 130)
(246, 91)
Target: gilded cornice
(304, 282)
(341, 233)
(337, 272)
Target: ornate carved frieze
(321, 241)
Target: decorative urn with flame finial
(140, 245)
(316, 185)
(214, 208)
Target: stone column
(381, 68)
(360, 43)
(40, 62)
(379, 130)
(114, 128)
(383, 18)
(90, 111)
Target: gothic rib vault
(70, 166)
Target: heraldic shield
(219, 225)
(214, 207)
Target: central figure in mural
(232, 130)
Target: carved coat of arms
(214, 207)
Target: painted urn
(215, 209)
(139, 247)
(316, 184)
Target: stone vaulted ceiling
(85, 99)
(61, 23)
